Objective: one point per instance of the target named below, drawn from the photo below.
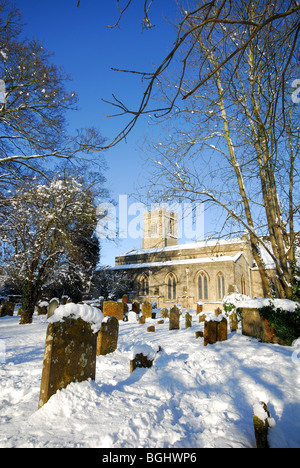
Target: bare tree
(34, 101)
(236, 142)
(203, 19)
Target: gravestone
(7, 309)
(135, 307)
(199, 308)
(151, 328)
(174, 318)
(70, 356)
(124, 298)
(107, 341)
(218, 312)
(42, 307)
(122, 309)
(202, 317)
(233, 321)
(164, 312)
(142, 320)
(261, 417)
(215, 330)
(210, 332)
(188, 320)
(147, 310)
(111, 308)
(222, 330)
(53, 304)
(142, 356)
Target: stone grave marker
(210, 332)
(222, 330)
(7, 309)
(174, 318)
(107, 340)
(164, 312)
(70, 356)
(141, 356)
(53, 304)
(111, 308)
(147, 309)
(135, 307)
(188, 320)
(42, 307)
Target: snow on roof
(191, 245)
(224, 258)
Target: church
(171, 273)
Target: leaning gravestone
(53, 304)
(174, 318)
(107, 341)
(70, 350)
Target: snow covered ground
(192, 397)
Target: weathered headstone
(222, 330)
(111, 308)
(210, 332)
(122, 309)
(124, 298)
(233, 321)
(256, 326)
(202, 317)
(107, 341)
(261, 417)
(70, 356)
(174, 318)
(136, 307)
(142, 356)
(42, 307)
(218, 312)
(164, 312)
(142, 320)
(7, 308)
(199, 334)
(151, 328)
(188, 320)
(199, 308)
(147, 310)
(53, 304)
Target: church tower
(159, 228)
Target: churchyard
(118, 375)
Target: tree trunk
(28, 302)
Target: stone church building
(169, 273)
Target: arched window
(202, 286)
(221, 286)
(144, 285)
(171, 285)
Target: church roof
(224, 258)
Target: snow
(259, 302)
(89, 314)
(188, 261)
(194, 396)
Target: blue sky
(87, 49)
